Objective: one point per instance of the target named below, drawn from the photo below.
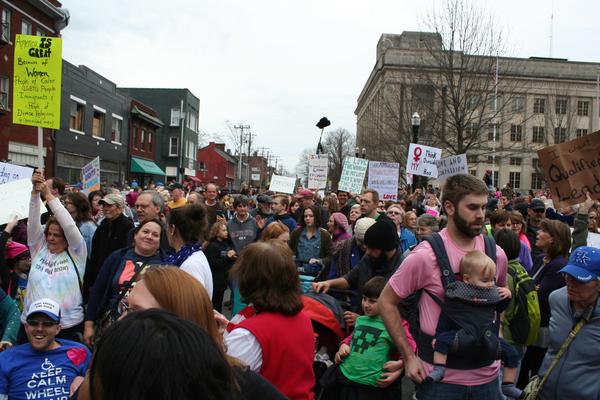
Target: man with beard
(464, 201)
(535, 213)
(382, 257)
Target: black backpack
(409, 308)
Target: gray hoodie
(576, 374)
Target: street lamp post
(360, 154)
(416, 124)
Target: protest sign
(282, 184)
(449, 166)
(383, 178)
(572, 169)
(90, 176)
(15, 197)
(317, 171)
(353, 174)
(421, 160)
(37, 81)
(11, 172)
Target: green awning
(141, 166)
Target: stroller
(326, 313)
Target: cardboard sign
(90, 176)
(11, 172)
(453, 165)
(37, 81)
(383, 177)
(15, 197)
(255, 177)
(353, 174)
(282, 184)
(318, 164)
(421, 160)
(572, 169)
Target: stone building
(539, 102)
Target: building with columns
(539, 102)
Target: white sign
(11, 172)
(453, 165)
(383, 177)
(353, 174)
(282, 184)
(421, 160)
(255, 177)
(593, 239)
(15, 197)
(318, 165)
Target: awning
(141, 166)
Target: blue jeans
(446, 391)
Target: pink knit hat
(15, 249)
(340, 220)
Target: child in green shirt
(366, 369)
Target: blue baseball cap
(584, 264)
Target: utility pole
(241, 128)
(250, 136)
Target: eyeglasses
(34, 323)
(394, 213)
(123, 307)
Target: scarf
(183, 254)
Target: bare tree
(302, 165)
(338, 145)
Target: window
(191, 122)
(518, 104)
(472, 158)
(40, 32)
(539, 106)
(516, 161)
(76, 116)
(473, 172)
(173, 146)
(473, 102)
(149, 140)
(538, 134)
(175, 116)
(516, 133)
(561, 106)
(491, 132)
(98, 123)
(191, 150)
(134, 140)
(495, 178)
(143, 139)
(515, 179)
(490, 159)
(580, 132)
(535, 163)
(26, 28)
(4, 88)
(583, 108)
(537, 180)
(5, 25)
(117, 124)
(560, 135)
(470, 130)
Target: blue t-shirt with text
(26, 374)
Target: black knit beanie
(382, 235)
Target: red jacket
(287, 344)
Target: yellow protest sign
(37, 81)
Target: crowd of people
(468, 290)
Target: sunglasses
(34, 323)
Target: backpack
(409, 308)
(523, 318)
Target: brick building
(18, 143)
(143, 123)
(216, 165)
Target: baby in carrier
(469, 324)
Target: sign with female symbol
(421, 160)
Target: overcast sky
(279, 66)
